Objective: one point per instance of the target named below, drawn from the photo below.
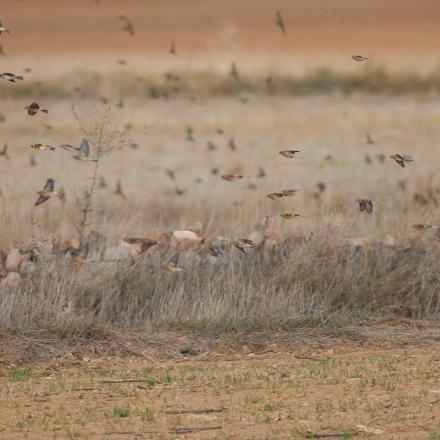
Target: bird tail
(44, 111)
(52, 148)
(19, 78)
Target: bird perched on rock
(11, 77)
(401, 159)
(43, 147)
(47, 192)
(34, 108)
(365, 205)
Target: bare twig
(193, 411)
(184, 430)
(328, 434)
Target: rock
(118, 254)
(11, 280)
(13, 260)
(186, 235)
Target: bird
(219, 130)
(62, 195)
(43, 147)
(360, 58)
(172, 50)
(289, 153)
(173, 262)
(261, 173)
(47, 192)
(84, 151)
(367, 158)
(34, 108)
(171, 174)
(122, 62)
(232, 145)
(365, 205)
(380, 158)
(189, 134)
(128, 25)
(245, 245)
(369, 139)
(233, 72)
(276, 196)
(280, 23)
(401, 159)
(421, 226)
(32, 161)
(211, 146)
(289, 215)
(321, 186)
(4, 152)
(233, 177)
(118, 190)
(4, 29)
(10, 77)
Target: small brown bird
(4, 29)
(233, 177)
(189, 134)
(421, 226)
(43, 147)
(47, 192)
(401, 159)
(84, 151)
(173, 262)
(11, 77)
(365, 205)
(232, 145)
(360, 58)
(276, 196)
(172, 50)
(245, 245)
(280, 23)
(289, 153)
(4, 152)
(128, 25)
(118, 190)
(34, 108)
(289, 215)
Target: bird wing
(280, 22)
(84, 148)
(84, 250)
(174, 260)
(69, 147)
(41, 199)
(50, 184)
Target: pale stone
(13, 260)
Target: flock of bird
(82, 153)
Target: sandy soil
(377, 386)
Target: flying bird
(233, 177)
(173, 264)
(172, 50)
(261, 173)
(421, 226)
(4, 29)
(11, 77)
(276, 196)
(34, 108)
(360, 58)
(401, 159)
(289, 153)
(189, 134)
(290, 192)
(369, 139)
(43, 147)
(245, 245)
(4, 152)
(232, 145)
(365, 205)
(233, 72)
(84, 151)
(289, 215)
(46, 193)
(32, 161)
(119, 191)
(128, 25)
(280, 22)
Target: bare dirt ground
(379, 381)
